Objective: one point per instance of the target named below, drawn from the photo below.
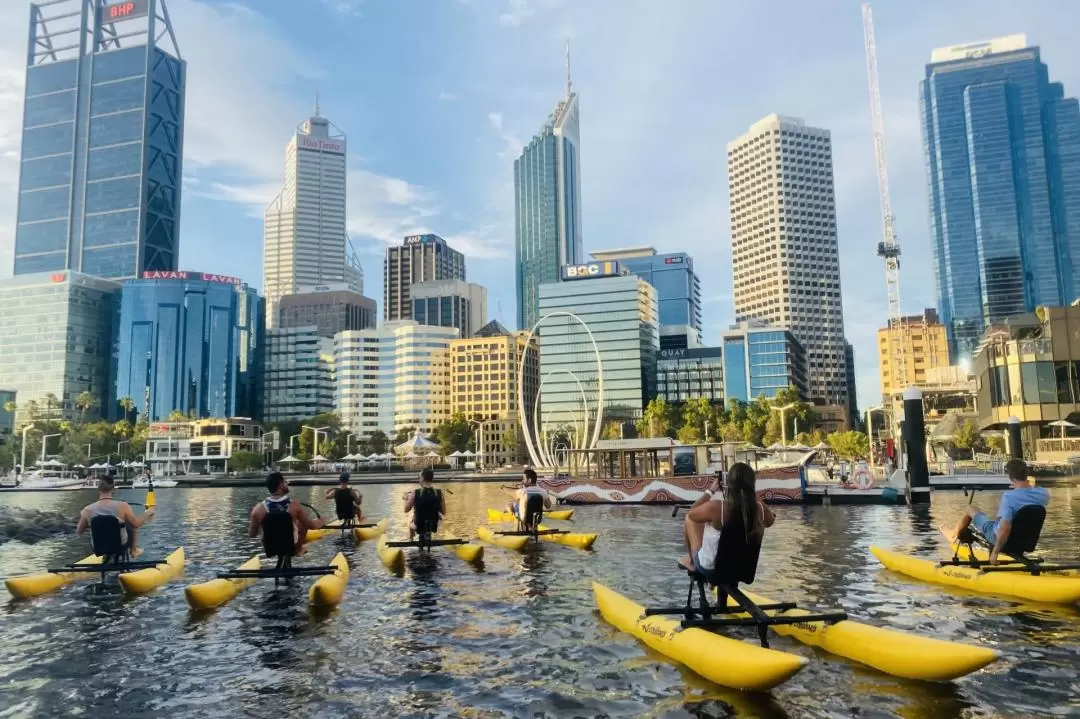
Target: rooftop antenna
(316, 102)
(568, 85)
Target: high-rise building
(57, 341)
(620, 312)
(484, 387)
(854, 417)
(189, 341)
(547, 207)
(783, 243)
(760, 360)
(304, 241)
(420, 258)
(450, 303)
(678, 290)
(926, 347)
(298, 374)
(333, 310)
(7, 419)
(690, 373)
(102, 141)
(393, 378)
(1002, 149)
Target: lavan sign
(590, 271)
(185, 275)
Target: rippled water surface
(517, 637)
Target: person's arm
(329, 493)
(83, 522)
(357, 497)
(1004, 528)
(131, 519)
(299, 515)
(697, 514)
(547, 501)
(410, 500)
(442, 504)
(767, 516)
(706, 511)
(256, 520)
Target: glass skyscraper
(760, 360)
(547, 209)
(1002, 148)
(192, 342)
(102, 142)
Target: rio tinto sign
(115, 12)
(589, 271)
(185, 275)
(306, 142)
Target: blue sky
(437, 96)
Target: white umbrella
(136, 464)
(319, 458)
(418, 442)
(821, 445)
(751, 447)
(800, 447)
(458, 453)
(288, 460)
(52, 463)
(468, 453)
(1064, 424)
(776, 447)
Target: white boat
(144, 483)
(44, 480)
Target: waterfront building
(202, 446)
(783, 241)
(57, 340)
(620, 311)
(547, 204)
(304, 240)
(329, 308)
(102, 141)
(1002, 152)
(189, 341)
(450, 303)
(298, 374)
(484, 388)
(7, 419)
(690, 373)
(678, 290)
(393, 378)
(760, 360)
(420, 258)
(925, 346)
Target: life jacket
(737, 552)
(344, 504)
(278, 528)
(426, 506)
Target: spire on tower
(568, 85)
(316, 102)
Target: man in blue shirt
(996, 531)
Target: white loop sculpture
(546, 456)
(522, 418)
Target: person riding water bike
(734, 519)
(427, 505)
(529, 501)
(347, 501)
(106, 506)
(279, 503)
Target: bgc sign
(590, 271)
(116, 12)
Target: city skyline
(664, 188)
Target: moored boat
(1049, 588)
(729, 662)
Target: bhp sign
(125, 10)
(336, 147)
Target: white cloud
(12, 76)
(517, 12)
(511, 143)
(445, 96)
(344, 7)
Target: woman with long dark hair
(736, 509)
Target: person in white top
(738, 504)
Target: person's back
(426, 506)
(1017, 498)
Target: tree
(177, 415)
(127, 404)
(245, 461)
(996, 443)
(698, 417)
(658, 420)
(31, 410)
(403, 435)
(377, 442)
(688, 434)
(967, 436)
(52, 402)
(85, 401)
(612, 429)
(454, 435)
(849, 445)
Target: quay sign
(590, 271)
(185, 275)
(125, 10)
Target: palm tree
(127, 404)
(84, 401)
(51, 403)
(31, 409)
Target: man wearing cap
(107, 506)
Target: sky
(437, 97)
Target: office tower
(690, 373)
(678, 291)
(329, 312)
(783, 241)
(926, 347)
(450, 303)
(760, 360)
(7, 419)
(298, 374)
(1002, 148)
(102, 140)
(547, 204)
(483, 387)
(189, 341)
(304, 242)
(420, 258)
(854, 419)
(57, 342)
(620, 311)
(393, 378)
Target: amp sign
(116, 12)
(590, 271)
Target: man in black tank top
(427, 505)
(346, 500)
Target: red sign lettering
(58, 277)
(121, 10)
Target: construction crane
(888, 248)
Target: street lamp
(316, 431)
(348, 441)
(45, 441)
(291, 438)
(26, 429)
(783, 423)
(277, 437)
